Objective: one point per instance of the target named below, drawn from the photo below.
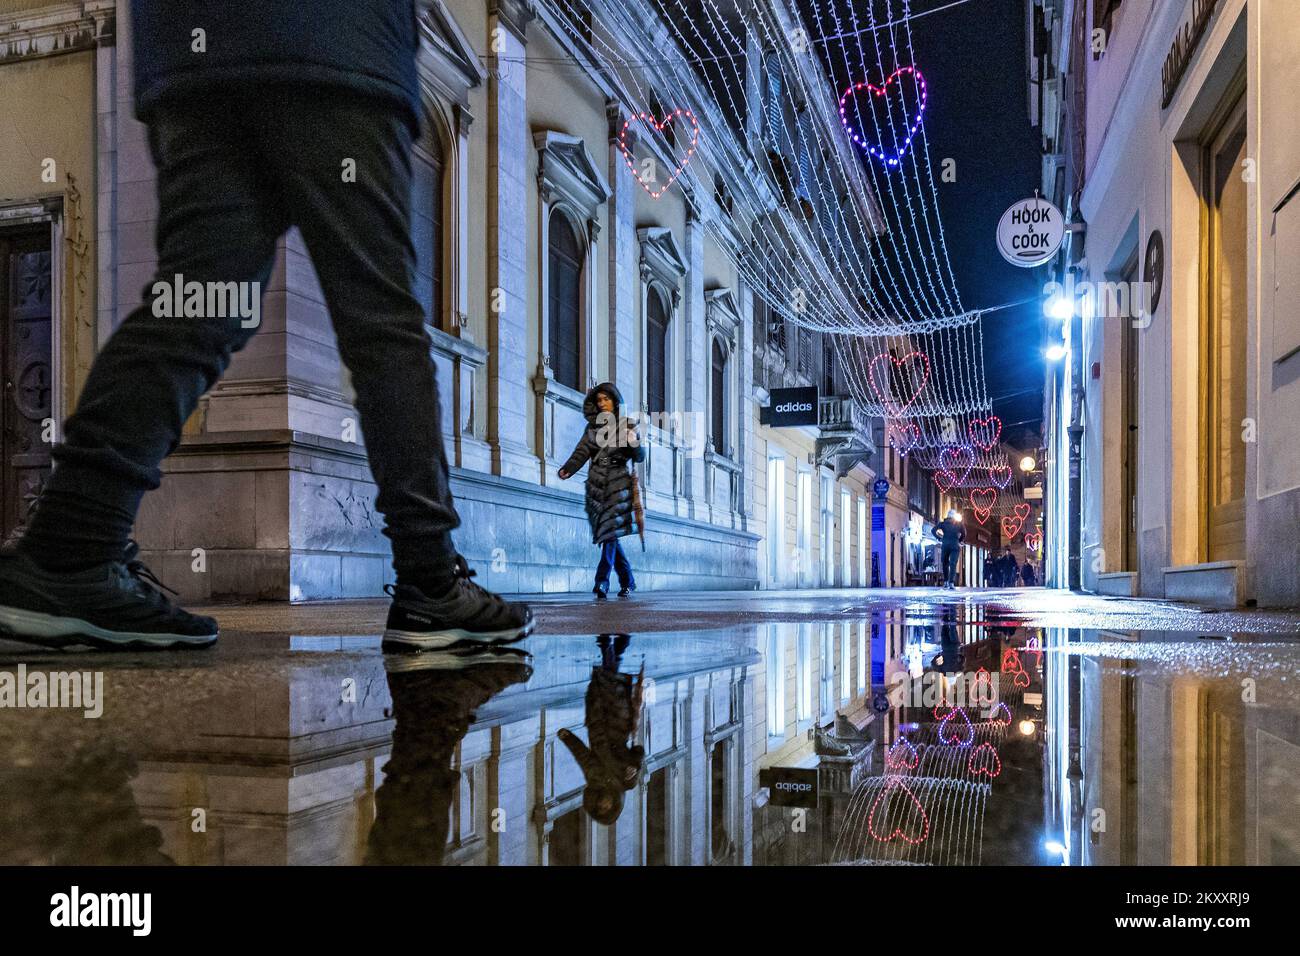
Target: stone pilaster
(509, 142)
(696, 358)
(624, 364)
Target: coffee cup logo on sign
(1030, 232)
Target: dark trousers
(612, 556)
(234, 172)
(950, 556)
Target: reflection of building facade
(544, 268)
(1176, 768)
(285, 768)
(1174, 145)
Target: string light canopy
(812, 115)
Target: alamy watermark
(208, 300)
(1108, 300)
(73, 690)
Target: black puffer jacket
(610, 478)
(363, 45)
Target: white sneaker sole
(50, 630)
(449, 637)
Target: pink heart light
(658, 126)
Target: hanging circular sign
(1154, 269)
(1030, 232)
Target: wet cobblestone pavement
(850, 727)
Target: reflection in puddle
(868, 740)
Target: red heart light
(1020, 678)
(892, 408)
(944, 481)
(658, 126)
(1010, 527)
(897, 814)
(1033, 540)
(984, 432)
(983, 500)
(1022, 511)
(984, 760)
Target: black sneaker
(118, 604)
(467, 612)
(626, 590)
(601, 593)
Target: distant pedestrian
(611, 444)
(1028, 575)
(950, 534)
(1010, 569)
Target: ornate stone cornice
(514, 14)
(57, 29)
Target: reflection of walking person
(252, 137)
(434, 698)
(609, 761)
(950, 534)
(611, 444)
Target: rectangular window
(846, 538)
(776, 520)
(775, 681)
(864, 578)
(862, 657)
(846, 663)
(828, 532)
(803, 675)
(828, 671)
(803, 517)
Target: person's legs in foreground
(359, 237)
(73, 572)
(232, 176)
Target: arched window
(564, 283)
(719, 395)
(656, 352)
(427, 223)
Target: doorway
(1129, 359)
(1224, 340)
(26, 310)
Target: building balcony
(844, 436)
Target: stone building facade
(545, 269)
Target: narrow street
(282, 727)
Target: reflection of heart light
(876, 151)
(895, 784)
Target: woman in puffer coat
(611, 444)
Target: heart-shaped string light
(892, 408)
(984, 760)
(1033, 540)
(659, 128)
(904, 436)
(954, 458)
(1000, 476)
(982, 501)
(985, 432)
(889, 159)
(908, 821)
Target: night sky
(973, 57)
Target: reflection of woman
(81, 812)
(610, 763)
(434, 697)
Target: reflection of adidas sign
(795, 787)
(794, 407)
